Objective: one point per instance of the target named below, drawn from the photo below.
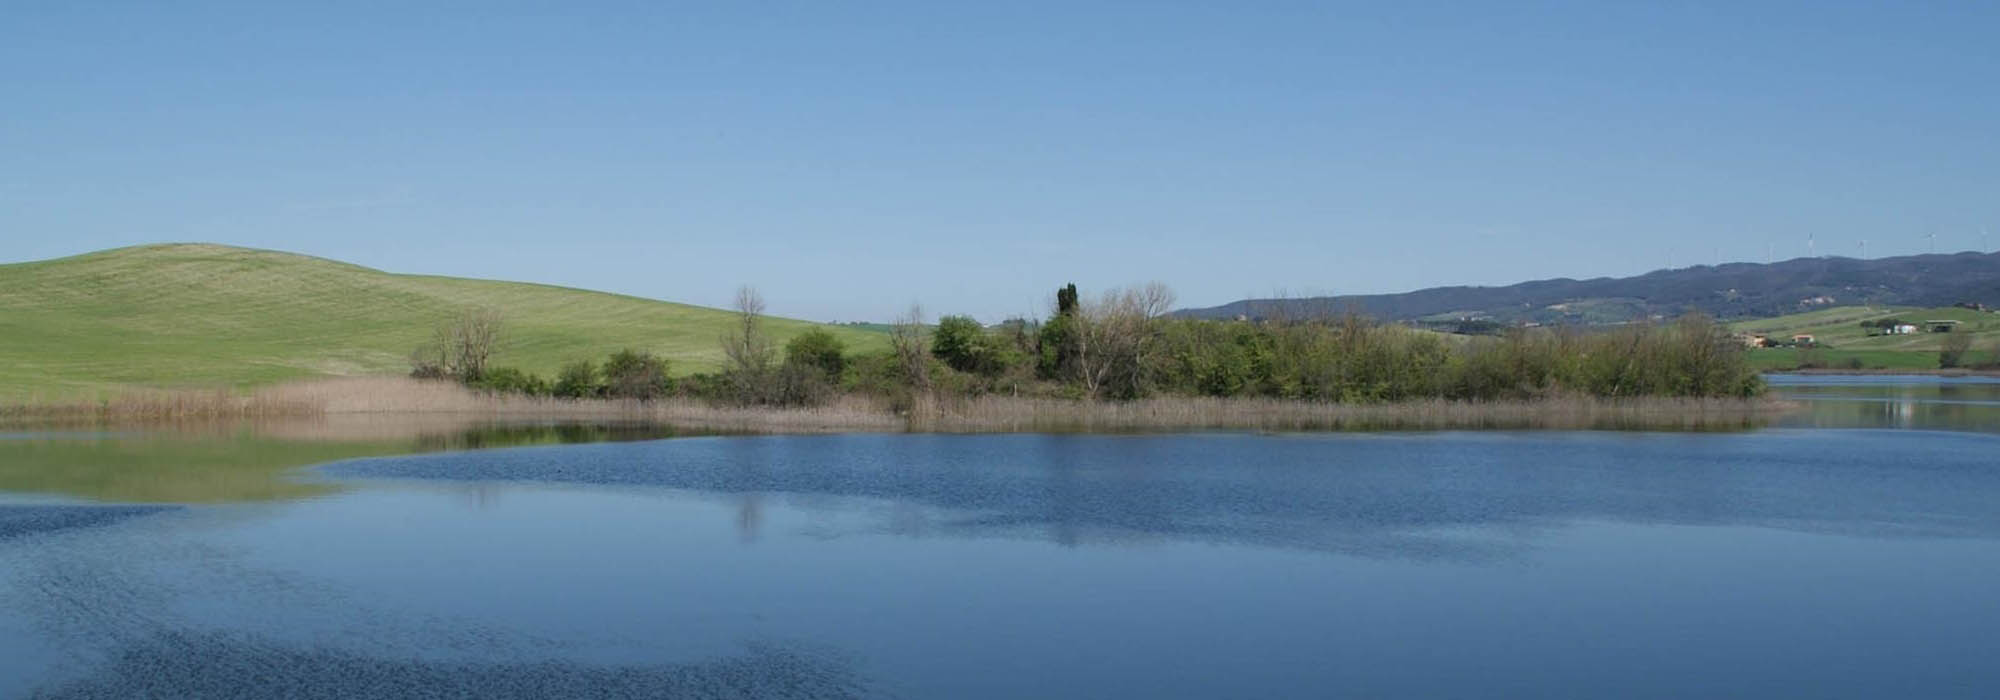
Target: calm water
(1850, 551)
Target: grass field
(1844, 340)
(1788, 358)
(195, 315)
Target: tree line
(1123, 345)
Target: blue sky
(851, 158)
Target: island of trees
(1124, 346)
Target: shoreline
(395, 400)
(1828, 371)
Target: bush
(956, 341)
(964, 345)
(704, 385)
(630, 374)
(819, 350)
(424, 369)
(1951, 354)
(508, 380)
(1354, 360)
(801, 384)
(1055, 344)
(578, 380)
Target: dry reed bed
(999, 414)
(399, 399)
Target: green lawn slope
(1839, 331)
(196, 315)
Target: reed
(163, 405)
(401, 399)
(1002, 414)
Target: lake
(1849, 550)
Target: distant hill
(209, 315)
(1735, 290)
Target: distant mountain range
(1731, 291)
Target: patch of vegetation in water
(220, 464)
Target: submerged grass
(228, 461)
(401, 399)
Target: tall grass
(402, 399)
(1005, 414)
(161, 405)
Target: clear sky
(849, 158)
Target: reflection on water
(1799, 562)
(254, 461)
(215, 666)
(172, 611)
(1909, 403)
(1458, 496)
(1219, 565)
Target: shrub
(820, 350)
(508, 380)
(578, 380)
(629, 374)
(801, 384)
(1951, 353)
(956, 341)
(1353, 360)
(964, 345)
(705, 385)
(423, 368)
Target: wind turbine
(1933, 237)
(1812, 249)
(1864, 249)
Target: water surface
(1848, 552)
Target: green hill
(1844, 339)
(195, 315)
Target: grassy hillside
(206, 315)
(1839, 329)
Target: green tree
(960, 342)
(578, 380)
(630, 374)
(820, 350)
(508, 380)
(1058, 342)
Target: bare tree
(910, 343)
(747, 349)
(460, 346)
(1115, 339)
(746, 346)
(1952, 352)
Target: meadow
(1846, 344)
(197, 315)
